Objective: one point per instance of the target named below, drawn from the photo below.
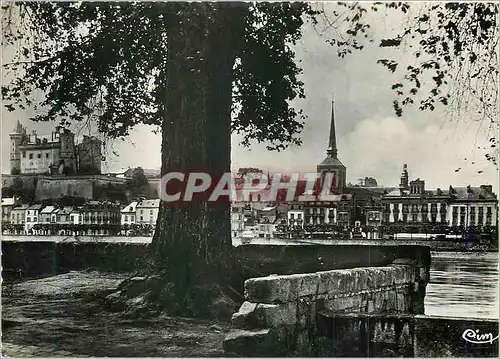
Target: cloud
(378, 147)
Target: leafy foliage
(106, 61)
(456, 60)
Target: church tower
(331, 163)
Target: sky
(371, 140)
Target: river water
(463, 285)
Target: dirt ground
(62, 316)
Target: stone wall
(263, 260)
(279, 316)
(33, 259)
(401, 335)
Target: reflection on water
(463, 285)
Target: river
(463, 285)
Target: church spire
(332, 143)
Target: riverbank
(435, 245)
(64, 316)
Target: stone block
(280, 289)
(275, 315)
(249, 342)
(242, 318)
(262, 315)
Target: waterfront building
(76, 216)
(32, 215)
(295, 216)
(128, 214)
(473, 206)
(458, 206)
(46, 215)
(147, 211)
(63, 215)
(373, 214)
(413, 203)
(269, 219)
(18, 214)
(7, 205)
(237, 219)
(100, 218)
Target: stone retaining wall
(279, 316)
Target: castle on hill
(56, 155)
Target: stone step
(255, 342)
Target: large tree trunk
(192, 243)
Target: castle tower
(331, 163)
(67, 143)
(403, 184)
(16, 139)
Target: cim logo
(474, 336)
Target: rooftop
(8, 201)
(48, 209)
(130, 207)
(149, 203)
(34, 207)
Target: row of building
(93, 217)
(410, 204)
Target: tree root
(148, 296)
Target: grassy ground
(63, 316)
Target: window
(462, 215)
(433, 218)
(126, 218)
(24, 154)
(473, 216)
(142, 218)
(142, 212)
(47, 219)
(31, 156)
(488, 216)
(405, 217)
(414, 217)
(39, 155)
(46, 155)
(386, 217)
(28, 220)
(455, 216)
(151, 212)
(35, 219)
